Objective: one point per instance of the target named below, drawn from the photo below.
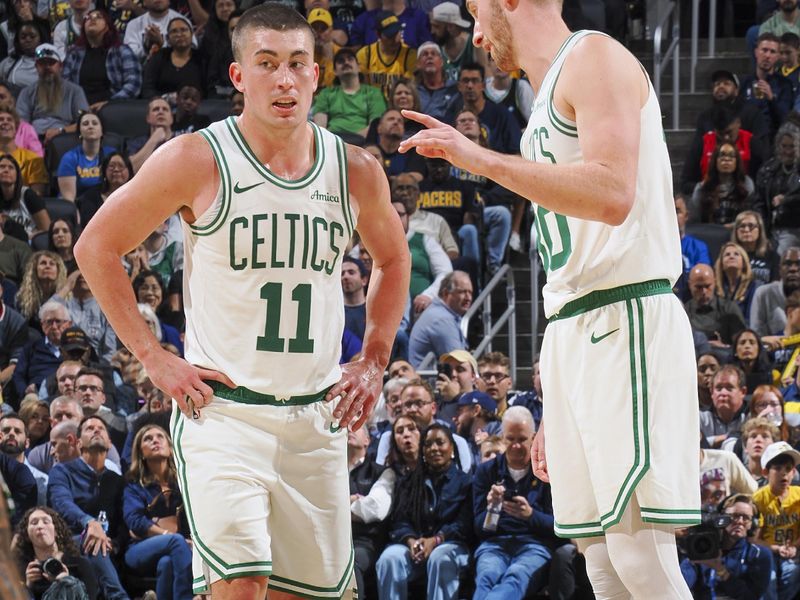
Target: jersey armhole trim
(344, 185)
(225, 185)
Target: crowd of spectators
(443, 500)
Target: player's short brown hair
(267, 16)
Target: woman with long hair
(21, 203)
(752, 358)
(151, 505)
(735, 277)
(149, 289)
(707, 366)
(45, 274)
(724, 191)
(749, 232)
(47, 556)
(431, 523)
(79, 169)
(403, 455)
(115, 171)
(61, 238)
(115, 74)
(404, 95)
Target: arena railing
(662, 59)
(695, 42)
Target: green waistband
(600, 298)
(247, 396)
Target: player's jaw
(493, 33)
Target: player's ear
(235, 73)
(316, 76)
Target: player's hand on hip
(440, 140)
(184, 382)
(538, 459)
(358, 389)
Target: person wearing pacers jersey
(617, 357)
(268, 203)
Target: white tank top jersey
(262, 269)
(581, 256)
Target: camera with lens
(52, 567)
(703, 541)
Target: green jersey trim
(288, 184)
(219, 566)
(599, 298)
(225, 182)
(244, 395)
(305, 590)
(344, 184)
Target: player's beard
(502, 48)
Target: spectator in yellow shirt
(779, 505)
(34, 172)
(385, 61)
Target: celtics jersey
(581, 256)
(262, 268)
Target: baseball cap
(484, 400)
(343, 52)
(74, 338)
(724, 74)
(320, 14)
(777, 449)
(461, 356)
(45, 51)
(449, 12)
(388, 23)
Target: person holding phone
(457, 374)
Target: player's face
(518, 438)
(493, 32)
(742, 518)
(278, 74)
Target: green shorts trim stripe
(244, 395)
(686, 516)
(578, 530)
(599, 298)
(305, 590)
(214, 562)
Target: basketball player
(617, 366)
(268, 203)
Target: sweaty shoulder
(606, 66)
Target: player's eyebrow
(267, 51)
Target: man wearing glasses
(90, 392)
(741, 566)
(40, 358)
(768, 311)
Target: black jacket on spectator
(161, 76)
(539, 527)
(362, 478)
(36, 363)
(80, 568)
(450, 515)
(753, 120)
(774, 111)
(771, 181)
(504, 132)
(21, 484)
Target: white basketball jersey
(581, 256)
(262, 269)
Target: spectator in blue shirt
(151, 502)
(80, 490)
(416, 25)
(79, 168)
(438, 328)
(694, 251)
(743, 570)
(518, 549)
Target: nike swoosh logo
(604, 336)
(240, 190)
(333, 428)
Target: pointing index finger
(422, 118)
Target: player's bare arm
(603, 88)
(382, 234)
(125, 219)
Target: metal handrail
(673, 53)
(484, 303)
(712, 37)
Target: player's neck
(535, 60)
(289, 153)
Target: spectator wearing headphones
(742, 569)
